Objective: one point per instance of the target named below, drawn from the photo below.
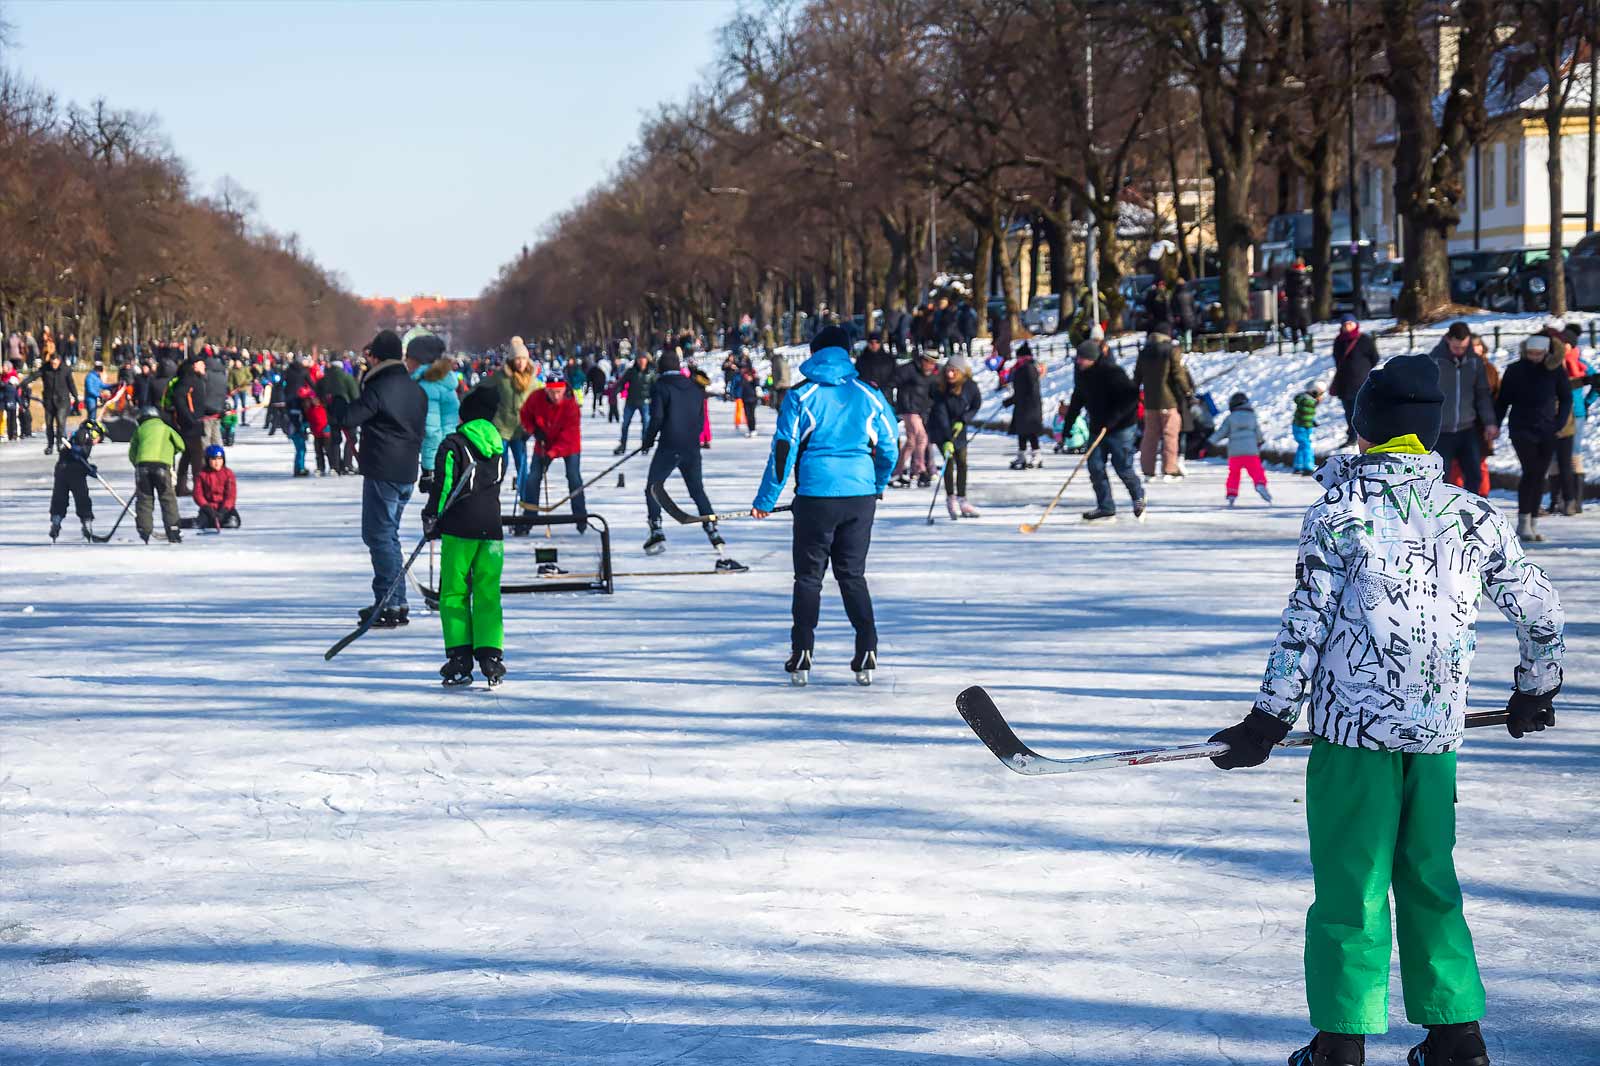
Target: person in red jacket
(317, 425)
(554, 420)
(216, 493)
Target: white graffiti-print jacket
(1379, 633)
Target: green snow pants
(469, 593)
(1378, 820)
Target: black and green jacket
(472, 455)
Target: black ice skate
(864, 664)
(491, 666)
(1332, 1049)
(1460, 1044)
(173, 536)
(457, 669)
(656, 543)
(799, 668)
(1099, 515)
(55, 529)
(1138, 510)
(88, 530)
(726, 565)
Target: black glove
(430, 526)
(1251, 741)
(94, 471)
(1531, 714)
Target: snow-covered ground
(646, 847)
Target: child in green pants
(1377, 640)
(463, 511)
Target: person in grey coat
(1469, 421)
(1243, 434)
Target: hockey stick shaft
(1028, 527)
(584, 487)
(682, 517)
(978, 709)
(98, 539)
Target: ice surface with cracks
(647, 848)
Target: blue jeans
(534, 486)
(382, 504)
(1118, 444)
(297, 437)
(627, 417)
(91, 404)
(1303, 457)
(517, 454)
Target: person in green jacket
(154, 448)
(514, 383)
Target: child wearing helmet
(216, 493)
(73, 471)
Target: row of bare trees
(808, 168)
(101, 235)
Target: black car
(1522, 284)
(1470, 271)
(1583, 274)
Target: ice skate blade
(800, 678)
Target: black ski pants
(687, 463)
(1464, 446)
(152, 480)
(71, 477)
(1534, 452)
(837, 530)
(55, 422)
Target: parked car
(1522, 284)
(1208, 304)
(1380, 285)
(1043, 314)
(1583, 274)
(1132, 288)
(1469, 272)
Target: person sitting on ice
(463, 514)
(73, 471)
(216, 493)
(1243, 435)
(1377, 640)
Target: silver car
(1043, 314)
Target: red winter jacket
(316, 414)
(216, 489)
(555, 422)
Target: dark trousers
(687, 463)
(1534, 453)
(1118, 445)
(218, 518)
(55, 422)
(1566, 485)
(13, 427)
(192, 459)
(347, 461)
(71, 477)
(837, 530)
(151, 480)
(955, 473)
(1348, 402)
(749, 401)
(1464, 446)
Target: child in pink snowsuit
(1243, 435)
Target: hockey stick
(1033, 527)
(98, 539)
(372, 617)
(966, 435)
(682, 517)
(587, 484)
(977, 707)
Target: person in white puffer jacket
(1377, 640)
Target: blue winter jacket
(93, 385)
(837, 429)
(444, 412)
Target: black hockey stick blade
(978, 709)
(98, 539)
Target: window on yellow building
(1490, 155)
(1514, 173)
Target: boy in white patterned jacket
(1378, 639)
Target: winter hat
(1347, 320)
(830, 337)
(519, 350)
(1023, 349)
(481, 402)
(1536, 343)
(1316, 388)
(1238, 400)
(671, 362)
(423, 346)
(1402, 396)
(958, 362)
(1097, 333)
(386, 345)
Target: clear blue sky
(413, 146)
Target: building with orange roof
(446, 317)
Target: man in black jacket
(677, 414)
(335, 384)
(1468, 404)
(876, 366)
(392, 412)
(1103, 390)
(216, 395)
(60, 394)
(188, 418)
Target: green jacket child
(154, 448)
(463, 511)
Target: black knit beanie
(481, 402)
(1401, 396)
(830, 337)
(386, 345)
